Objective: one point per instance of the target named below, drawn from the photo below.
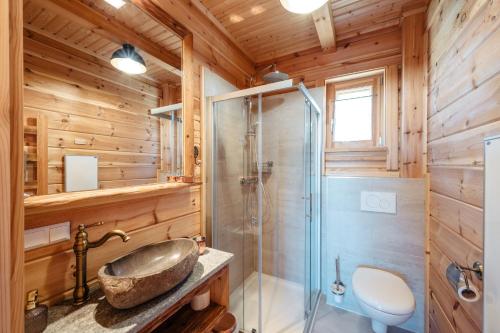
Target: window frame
(377, 83)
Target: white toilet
(383, 296)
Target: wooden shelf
(64, 201)
(188, 321)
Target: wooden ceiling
(44, 17)
(265, 30)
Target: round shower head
(275, 75)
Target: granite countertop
(98, 316)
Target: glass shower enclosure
(263, 202)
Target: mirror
(88, 123)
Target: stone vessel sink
(147, 272)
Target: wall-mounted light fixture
(302, 6)
(128, 60)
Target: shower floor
(283, 304)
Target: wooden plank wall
(92, 109)
(463, 104)
(315, 66)
(50, 268)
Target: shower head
(275, 75)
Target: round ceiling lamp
(128, 60)
(302, 6)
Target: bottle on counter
(36, 315)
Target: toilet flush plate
(380, 202)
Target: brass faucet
(81, 246)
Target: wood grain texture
(323, 21)
(5, 188)
(188, 88)
(90, 110)
(392, 116)
(463, 99)
(413, 108)
(314, 66)
(147, 219)
(101, 24)
(17, 298)
(265, 30)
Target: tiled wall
(393, 242)
(284, 223)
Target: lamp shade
(128, 60)
(302, 6)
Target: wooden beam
(413, 108)
(323, 20)
(110, 29)
(162, 17)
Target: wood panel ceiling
(42, 17)
(265, 30)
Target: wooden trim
(112, 30)
(42, 155)
(323, 21)
(188, 90)
(392, 116)
(16, 65)
(67, 201)
(5, 165)
(413, 108)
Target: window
(353, 115)
(354, 112)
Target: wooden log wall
(92, 109)
(463, 104)
(147, 220)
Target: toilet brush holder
(338, 291)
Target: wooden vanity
(170, 312)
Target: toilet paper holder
(456, 275)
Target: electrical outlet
(59, 232)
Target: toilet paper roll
(470, 294)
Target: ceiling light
(116, 3)
(302, 6)
(128, 60)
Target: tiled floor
(283, 305)
(334, 320)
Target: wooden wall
(92, 109)
(463, 103)
(147, 220)
(315, 66)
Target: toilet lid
(383, 291)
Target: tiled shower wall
(393, 242)
(284, 214)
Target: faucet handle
(88, 226)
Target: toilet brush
(338, 288)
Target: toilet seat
(383, 291)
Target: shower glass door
(312, 181)
(236, 203)
(257, 197)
